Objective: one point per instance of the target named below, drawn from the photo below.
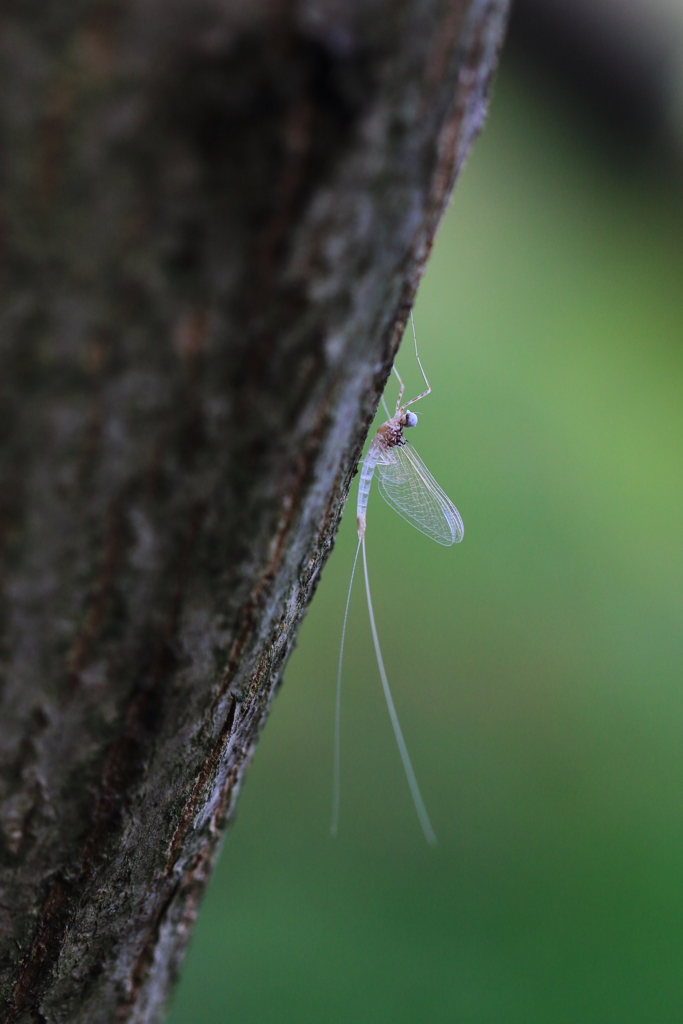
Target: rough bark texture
(213, 217)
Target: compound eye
(411, 419)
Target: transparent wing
(407, 485)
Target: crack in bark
(102, 589)
(206, 772)
(146, 957)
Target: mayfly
(406, 484)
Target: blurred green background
(536, 667)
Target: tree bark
(213, 218)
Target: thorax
(389, 434)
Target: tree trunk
(213, 218)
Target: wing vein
(406, 484)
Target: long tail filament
(401, 743)
(336, 783)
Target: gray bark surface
(213, 218)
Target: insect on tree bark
(213, 218)
(406, 484)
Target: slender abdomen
(366, 476)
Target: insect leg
(424, 375)
(400, 390)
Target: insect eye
(411, 419)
